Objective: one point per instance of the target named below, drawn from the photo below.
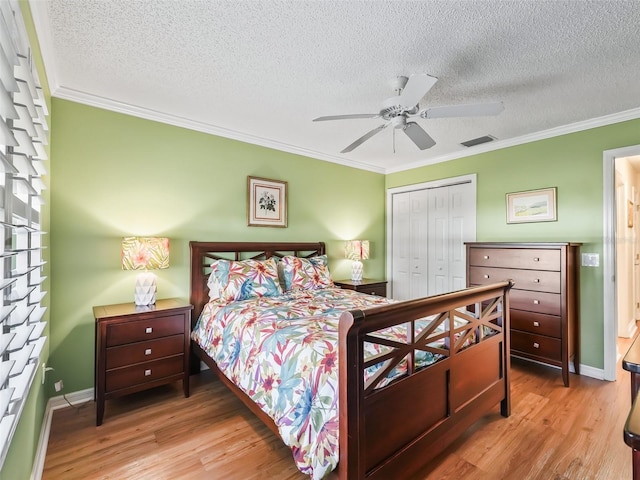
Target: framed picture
(266, 202)
(532, 206)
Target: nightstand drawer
(140, 373)
(379, 290)
(537, 345)
(139, 330)
(144, 351)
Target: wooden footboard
(392, 431)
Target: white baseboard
(54, 403)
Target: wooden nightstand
(140, 347)
(366, 285)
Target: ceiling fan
(397, 110)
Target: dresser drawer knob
(486, 257)
(536, 345)
(147, 373)
(536, 324)
(147, 351)
(148, 330)
(536, 302)
(536, 259)
(536, 280)
(486, 276)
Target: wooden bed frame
(393, 431)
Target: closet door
(451, 223)
(409, 271)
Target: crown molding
(148, 114)
(632, 114)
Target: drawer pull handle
(536, 302)
(536, 259)
(486, 276)
(536, 345)
(536, 324)
(147, 373)
(486, 257)
(147, 351)
(536, 280)
(148, 330)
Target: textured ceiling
(260, 71)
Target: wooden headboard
(203, 253)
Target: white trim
(42, 25)
(43, 31)
(443, 182)
(54, 403)
(624, 116)
(610, 328)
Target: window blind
(23, 134)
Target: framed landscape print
(266, 202)
(532, 206)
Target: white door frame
(444, 182)
(609, 256)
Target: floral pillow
(240, 280)
(305, 273)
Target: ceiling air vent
(478, 141)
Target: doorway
(610, 254)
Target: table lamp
(357, 250)
(145, 253)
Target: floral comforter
(282, 352)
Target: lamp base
(145, 293)
(356, 271)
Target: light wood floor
(553, 433)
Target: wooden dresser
(544, 299)
(140, 347)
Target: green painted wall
(19, 460)
(573, 164)
(116, 175)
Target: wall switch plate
(590, 260)
(58, 385)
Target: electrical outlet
(58, 385)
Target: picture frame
(532, 206)
(266, 202)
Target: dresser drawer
(144, 351)
(141, 373)
(520, 258)
(539, 302)
(538, 345)
(139, 330)
(537, 323)
(538, 280)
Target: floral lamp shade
(145, 253)
(357, 250)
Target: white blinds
(23, 134)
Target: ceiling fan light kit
(398, 109)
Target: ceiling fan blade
(365, 137)
(347, 117)
(418, 136)
(472, 110)
(417, 87)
